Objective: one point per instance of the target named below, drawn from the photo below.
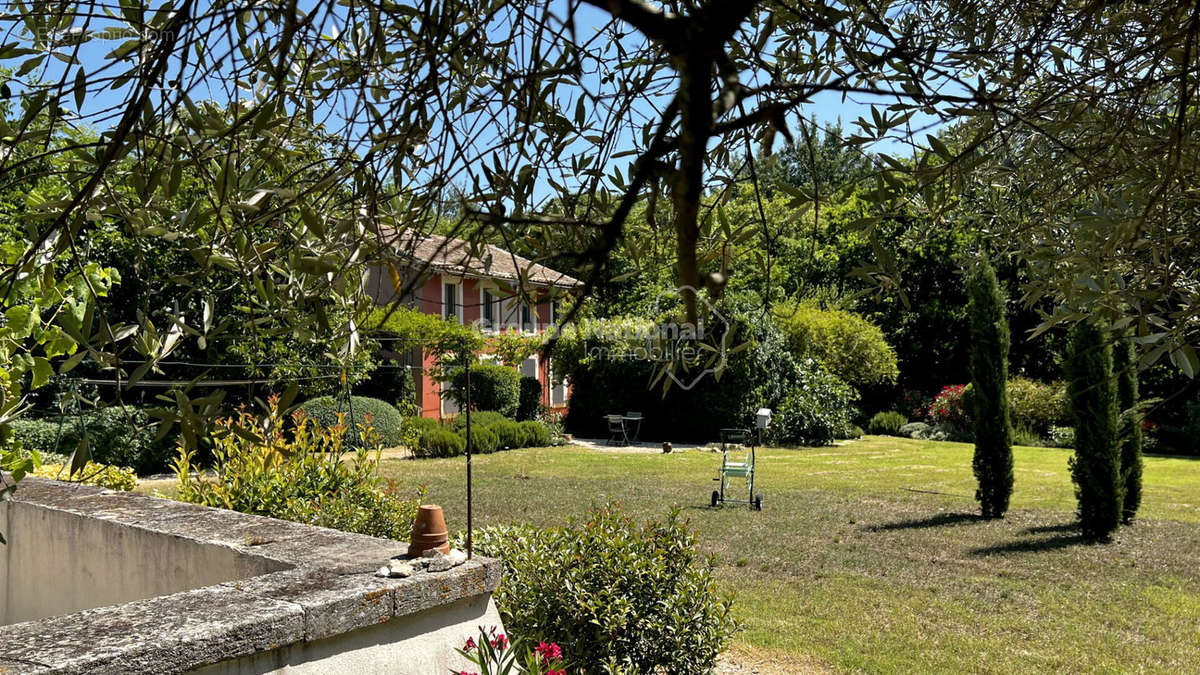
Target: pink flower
(548, 652)
(500, 642)
(470, 645)
(556, 672)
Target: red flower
(556, 672)
(500, 642)
(548, 652)
(469, 646)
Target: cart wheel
(716, 496)
(758, 502)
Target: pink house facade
(485, 286)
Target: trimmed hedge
(530, 400)
(479, 419)
(386, 420)
(493, 387)
(439, 442)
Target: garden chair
(616, 430)
(635, 420)
(737, 461)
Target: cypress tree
(1096, 465)
(1125, 363)
(993, 462)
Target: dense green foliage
(848, 345)
(1096, 465)
(479, 418)
(392, 383)
(383, 417)
(993, 460)
(303, 475)
(118, 435)
(816, 411)
(494, 387)
(611, 592)
(1129, 434)
(610, 374)
(490, 432)
(887, 423)
(531, 399)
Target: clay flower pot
(429, 531)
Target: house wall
(428, 298)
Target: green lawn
(868, 556)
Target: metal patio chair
(616, 430)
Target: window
(452, 302)
(558, 392)
(528, 319)
(488, 311)
(553, 312)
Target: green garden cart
(737, 461)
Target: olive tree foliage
(531, 122)
(1094, 188)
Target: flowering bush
(495, 655)
(914, 403)
(613, 594)
(949, 407)
(1037, 406)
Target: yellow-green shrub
(848, 345)
(112, 477)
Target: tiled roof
(458, 257)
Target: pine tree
(993, 462)
(1096, 465)
(1125, 363)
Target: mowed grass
(868, 556)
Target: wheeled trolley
(737, 461)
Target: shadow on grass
(1046, 529)
(940, 520)
(1034, 545)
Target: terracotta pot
(429, 531)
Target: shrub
(1026, 437)
(1096, 464)
(300, 475)
(384, 418)
(439, 442)
(886, 423)
(509, 434)
(117, 435)
(948, 407)
(915, 404)
(483, 440)
(418, 425)
(609, 591)
(479, 419)
(848, 345)
(493, 387)
(817, 410)
(530, 400)
(112, 477)
(1037, 406)
(993, 459)
(918, 430)
(534, 434)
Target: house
(473, 284)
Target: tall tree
(1096, 465)
(1125, 363)
(993, 462)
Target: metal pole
(470, 528)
